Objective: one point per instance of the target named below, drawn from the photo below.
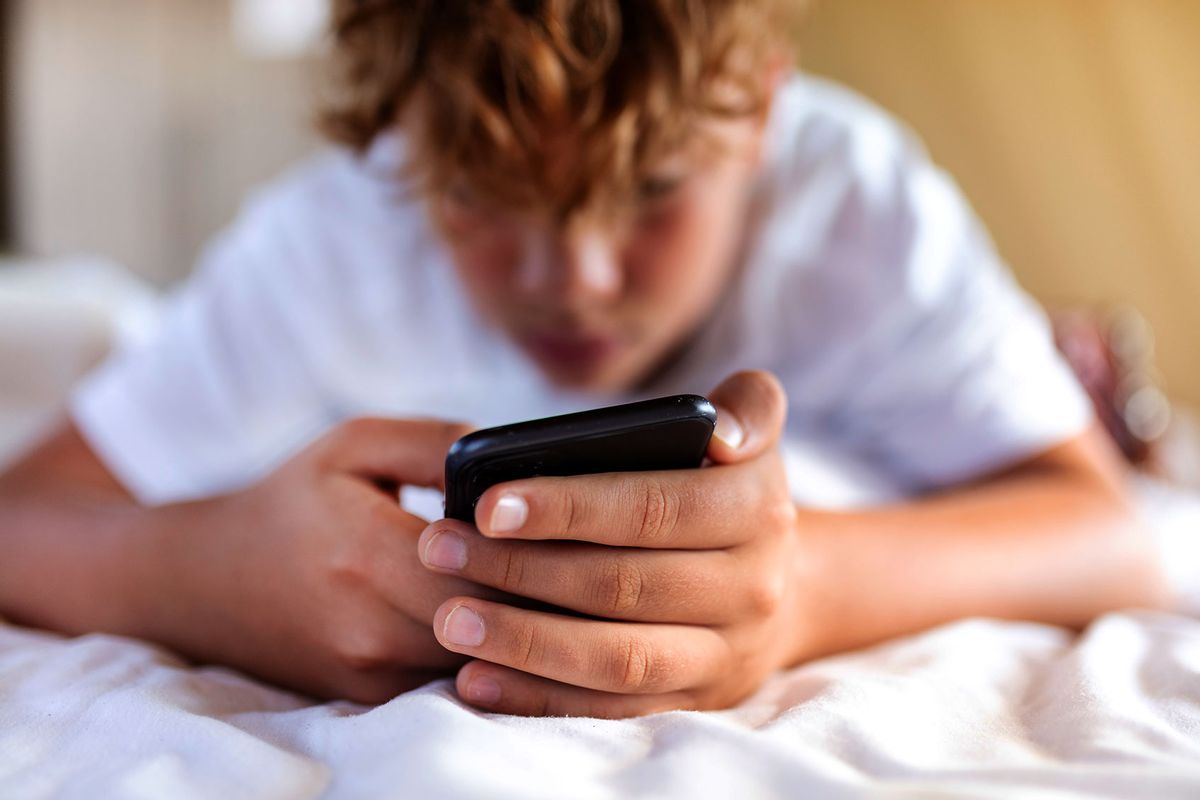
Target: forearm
(77, 552)
(66, 559)
(1053, 544)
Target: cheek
(486, 251)
(680, 257)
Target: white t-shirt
(910, 358)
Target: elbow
(1139, 577)
(1122, 539)
(1125, 557)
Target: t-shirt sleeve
(936, 364)
(222, 389)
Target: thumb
(751, 407)
(400, 451)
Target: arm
(707, 580)
(65, 532)
(1052, 539)
(308, 578)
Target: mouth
(567, 351)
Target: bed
(978, 708)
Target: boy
(544, 206)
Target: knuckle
(633, 665)
(620, 587)
(527, 647)
(329, 448)
(660, 513)
(512, 568)
(354, 429)
(764, 597)
(780, 514)
(569, 512)
(361, 651)
(349, 564)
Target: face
(602, 306)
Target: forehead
(573, 172)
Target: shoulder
(337, 194)
(834, 197)
(817, 124)
(844, 183)
(859, 237)
(335, 222)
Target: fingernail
(510, 513)
(446, 551)
(483, 690)
(729, 430)
(463, 627)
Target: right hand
(311, 577)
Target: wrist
(140, 593)
(70, 561)
(818, 615)
(172, 564)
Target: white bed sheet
(978, 708)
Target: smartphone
(665, 433)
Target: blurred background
(131, 129)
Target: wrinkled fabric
(979, 708)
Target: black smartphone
(665, 433)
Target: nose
(576, 268)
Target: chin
(601, 379)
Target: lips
(570, 351)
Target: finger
(377, 642)
(369, 688)
(676, 509)
(387, 556)
(625, 657)
(498, 689)
(406, 451)
(751, 408)
(687, 587)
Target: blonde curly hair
(481, 87)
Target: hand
(311, 578)
(693, 573)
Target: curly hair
(482, 88)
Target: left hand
(687, 578)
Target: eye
(460, 195)
(658, 188)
